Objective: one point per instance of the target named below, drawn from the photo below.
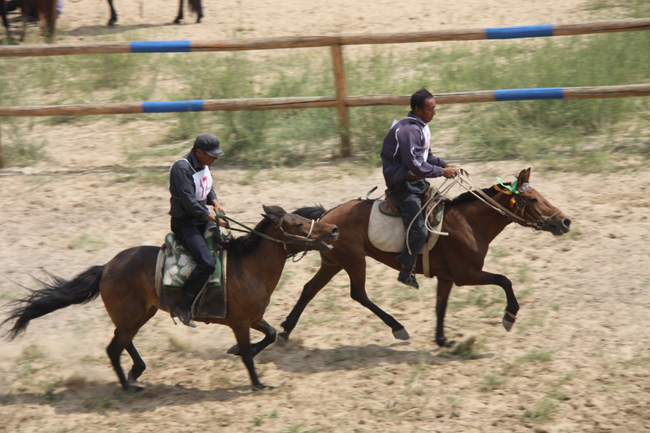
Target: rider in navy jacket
(190, 186)
(407, 162)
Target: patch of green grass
(87, 243)
(542, 412)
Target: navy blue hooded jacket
(404, 153)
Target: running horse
(195, 6)
(126, 285)
(472, 224)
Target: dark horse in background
(456, 259)
(44, 10)
(195, 7)
(127, 287)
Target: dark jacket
(184, 203)
(403, 153)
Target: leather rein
(538, 224)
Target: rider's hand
(218, 207)
(450, 171)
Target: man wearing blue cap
(190, 185)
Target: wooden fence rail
(341, 101)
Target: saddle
(174, 265)
(386, 231)
(387, 207)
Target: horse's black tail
(311, 212)
(53, 296)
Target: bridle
(517, 204)
(285, 238)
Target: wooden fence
(342, 101)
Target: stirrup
(184, 316)
(408, 280)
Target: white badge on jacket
(427, 140)
(202, 183)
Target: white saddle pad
(387, 233)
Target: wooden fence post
(341, 94)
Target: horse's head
(533, 209)
(296, 230)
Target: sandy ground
(577, 360)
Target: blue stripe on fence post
(172, 106)
(527, 94)
(519, 32)
(161, 46)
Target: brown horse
(44, 10)
(456, 259)
(126, 285)
(195, 6)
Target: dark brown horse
(195, 6)
(126, 285)
(458, 259)
(44, 10)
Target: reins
(464, 178)
(285, 238)
(464, 181)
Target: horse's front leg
(242, 335)
(444, 288)
(270, 336)
(482, 278)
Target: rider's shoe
(407, 277)
(184, 316)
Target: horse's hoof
(234, 350)
(283, 336)
(134, 389)
(401, 334)
(508, 320)
(262, 387)
(443, 342)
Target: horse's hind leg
(357, 273)
(326, 272)
(121, 341)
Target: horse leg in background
(327, 271)
(179, 17)
(113, 19)
(444, 288)
(269, 338)
(3, 15)
(357, 273)
(46, 10)
(242, 335)
(197, 8)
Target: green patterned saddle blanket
(174, 265)
(179, 264)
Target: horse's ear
(524, 176)
(273, 213)
(276, 210)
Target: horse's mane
(244, 245)
(311, 212)
(468, 196)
